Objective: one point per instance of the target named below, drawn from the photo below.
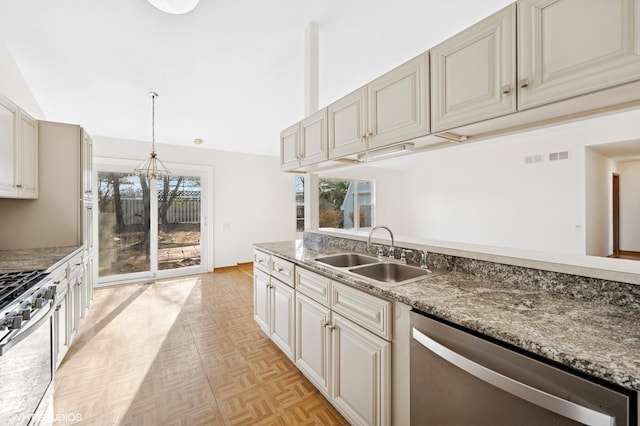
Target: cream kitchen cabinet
(61, 338)
(361, 373)
(313, 341)
(390, 109)
(348, 124)
(473, 74)
(568, 48)
(340, 355)
(273, 303)
(18, 152)
(305, 143)
(68, 314)
(398, 104)
(261, 299)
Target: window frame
(355, 183)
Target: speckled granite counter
(596, 337)
(32, 259)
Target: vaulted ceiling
(231, 72)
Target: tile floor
(182, 352)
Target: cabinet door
(361, 364)
(473, 74)
(261, 286)
(313, 138)
(87, 165)
(8, 116)
(28, 164)
(568, 48)
(289, 147)
(398, 104)
(312, 341)
(348, 124)
(283, 317)
(60, 331)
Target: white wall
(629, 205)
(484, 193)
(14, 86)
(252, 200)
(599, 197)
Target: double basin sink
(382, 271)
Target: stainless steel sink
(346, 260)
(391, 274)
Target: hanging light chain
(153, 95)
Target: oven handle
(24, 333)
(535, 396)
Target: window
(346, 204)
(299, 203)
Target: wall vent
(530, 159)
(562, 155)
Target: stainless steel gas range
(26, 361)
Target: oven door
(26, 370)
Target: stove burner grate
(13, 284)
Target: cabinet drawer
(313, 285)
(262, 260)
(282, 270)
(367, 310)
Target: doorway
(151, 228)
(616, 213)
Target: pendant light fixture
(175, 7)
(152, 167)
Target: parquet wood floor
(182, 352)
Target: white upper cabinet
(8, 117)
(28, 162)
(305, 142)
(348, 124)
(289, 147)
(313, 138)
(398, 107)
(473, 74)
(391, 109)
(573, 47)
(18, 152)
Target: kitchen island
(597, 337)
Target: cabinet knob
(524, 83)
(506, 89)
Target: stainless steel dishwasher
(458, 378)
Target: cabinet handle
(506, 89)
(18, 186)
(524, 83)
(329, 326)
(58, 307)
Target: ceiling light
(175, 7)
(197, 141)
(152, 167)
(386, 152)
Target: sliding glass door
(150, 228)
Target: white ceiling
(231, 72)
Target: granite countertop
(32, 259)
(602, 340)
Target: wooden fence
(180, 211)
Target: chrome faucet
(423, 260)
(391, 248)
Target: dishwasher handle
(535, 396)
